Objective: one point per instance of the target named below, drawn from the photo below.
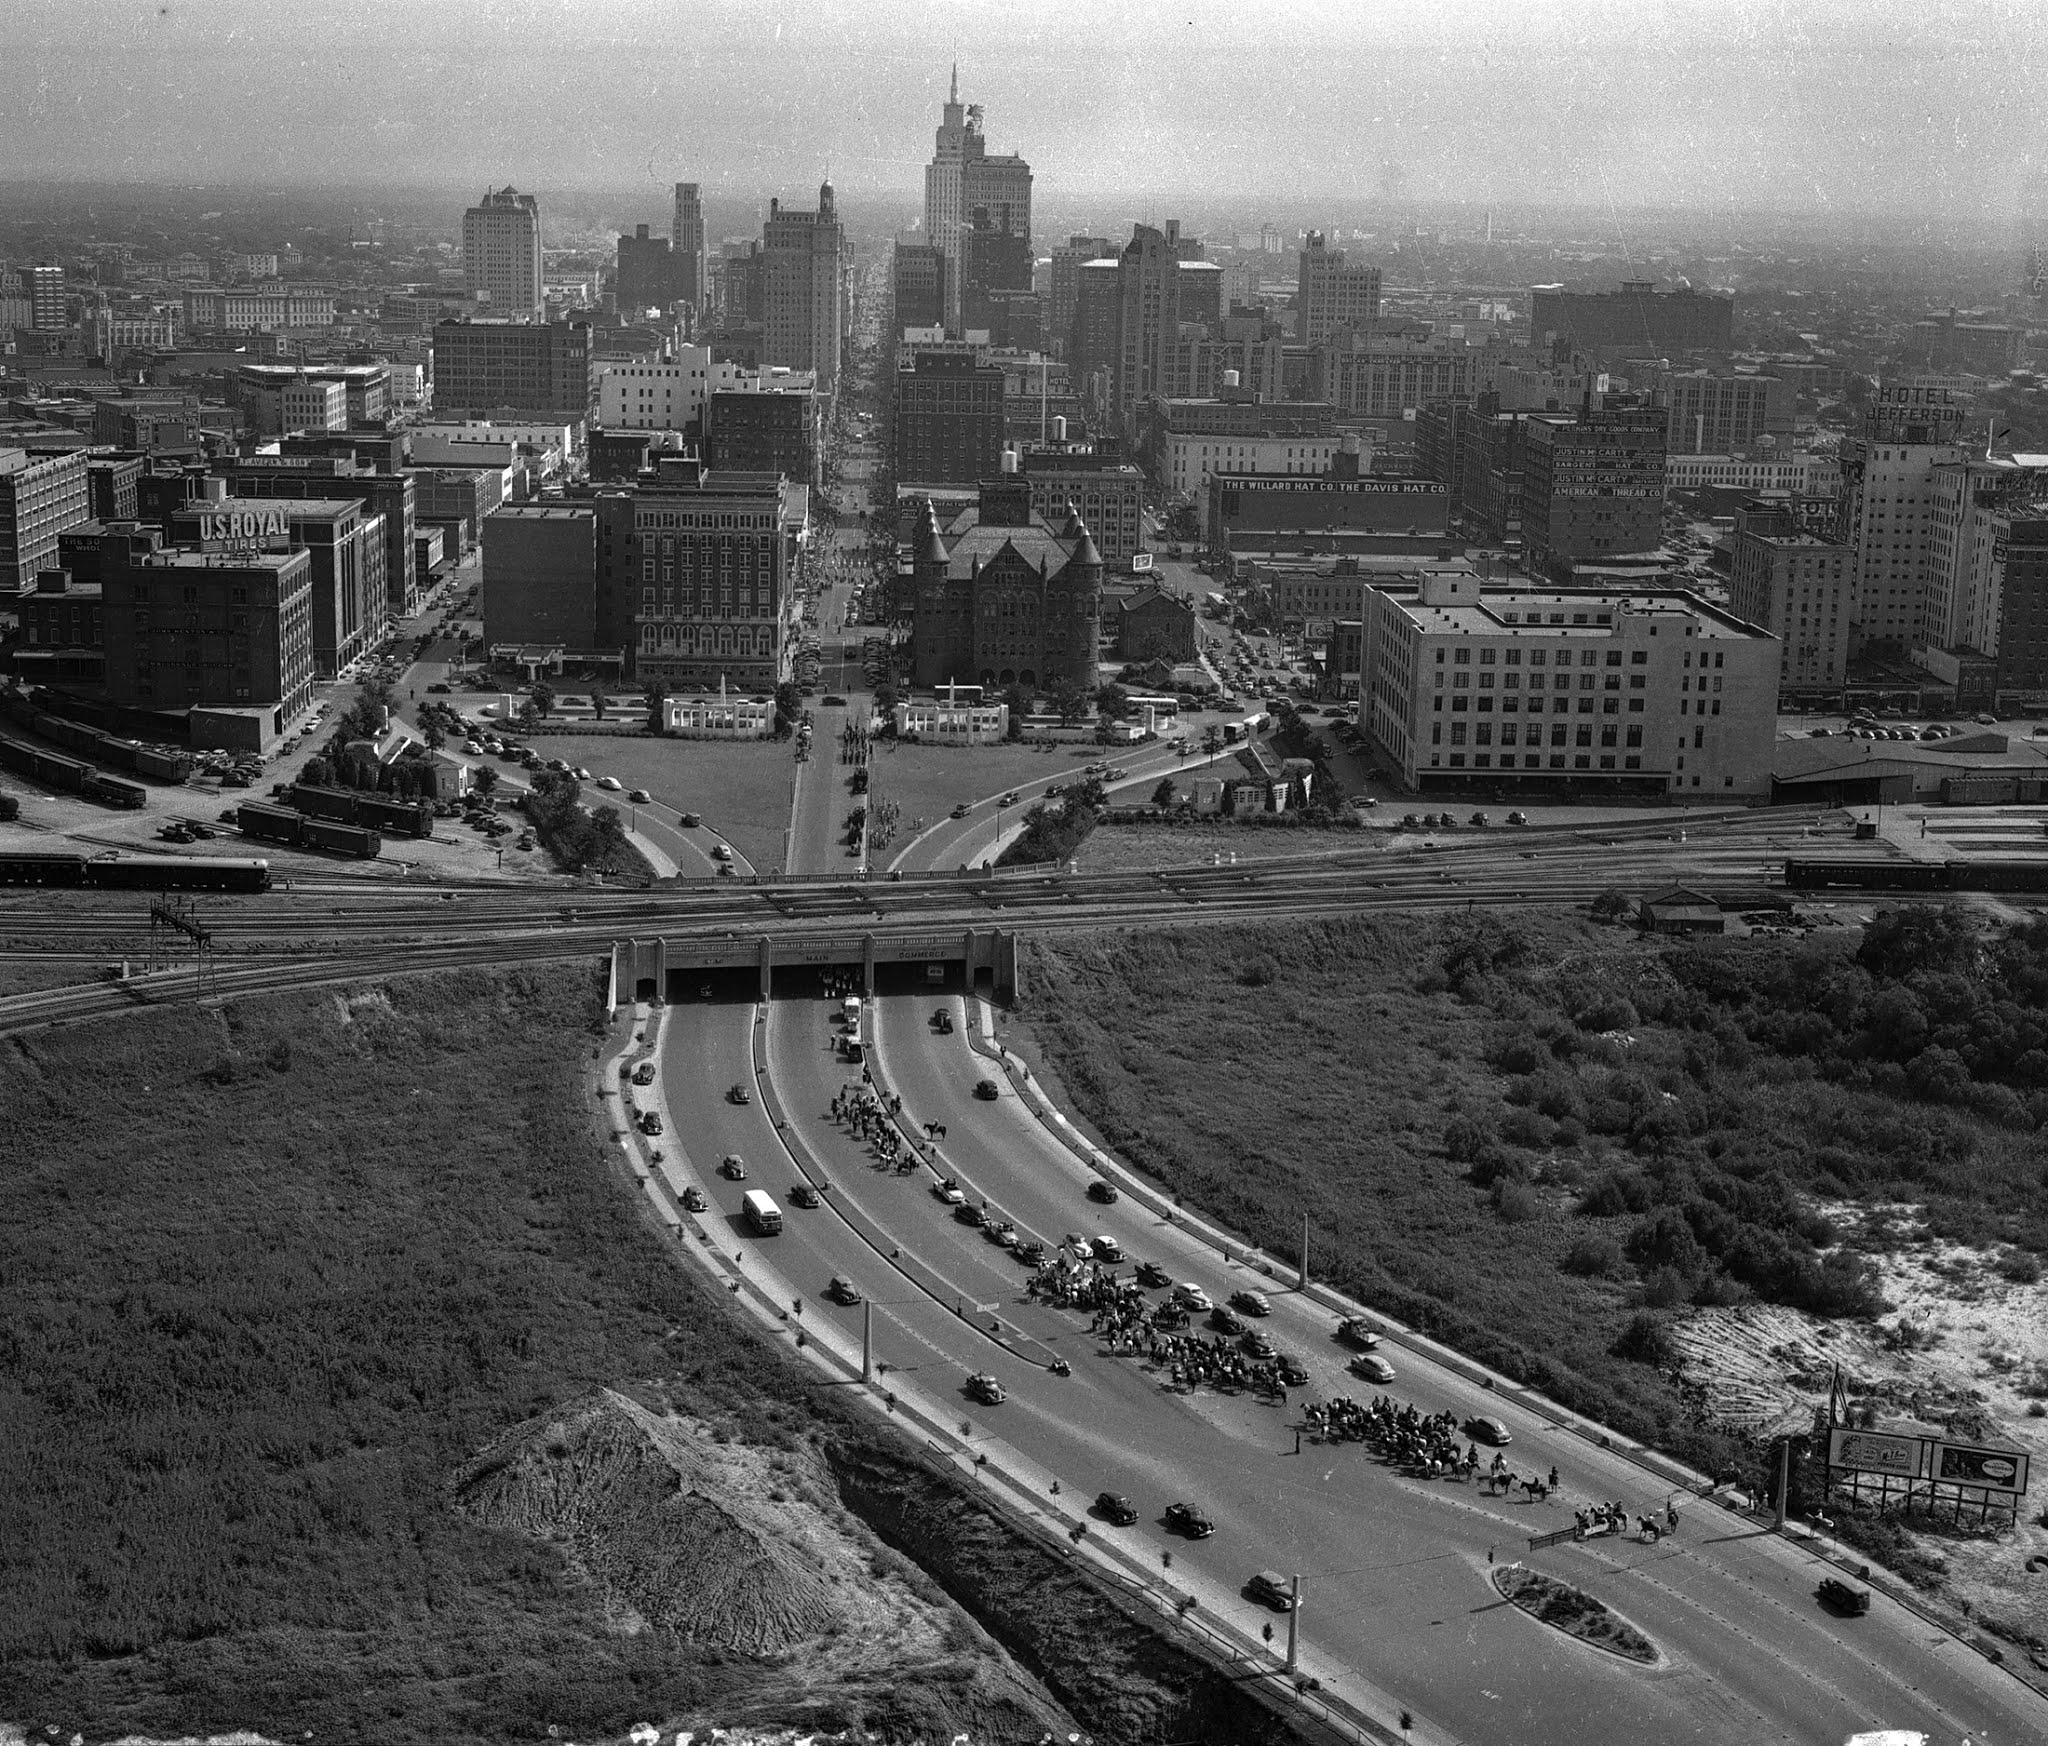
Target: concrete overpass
(757, 967)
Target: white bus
(764, 1217)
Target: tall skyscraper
(501, 262)
(961, 179)
(1330, 294)
(1148, 318)
(686, 240)
(803, 317)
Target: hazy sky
(1906, 105)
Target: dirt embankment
(748, 1552)
(1106, 1663)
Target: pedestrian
(1489, 1554)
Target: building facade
(501, 256)
(666, 395)
(686, 247)
(1004, 598)
(803, 318)
(2023, 624)
(1106, 491)
(948, 418)
(388, 496)
(208, 630)
(704, 560)
(40, 497)
(646, 276)
(1637, 320)
(1531, 690)
(1329, 293)
(540, 577)
(1593, 487)
(962, 177)
(1800, 588)
(917, 285)
(1719, 413)
(543, 369)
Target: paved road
(1395, 1568)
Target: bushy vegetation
(575, 836)
(1532, 1136)
(1054, 831)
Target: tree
(1212, 739)
(600, 700)
(657, 706)
(607, 835)
(527, 715)
(1112, 702)
(1018, 703)
(1163, 794)
(433, 733)
(318, 773)
(1071, 702)
(789, 707)
(543, 699)
(484, 778)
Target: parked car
(644, 1073)
(961, 811)
(689, 821)
(942, 1022)
(640, 797)
(1518, 818)
(1113, 1506)
(610, 784)
(693, 1200)
(650, 1121)
(1185, 1519)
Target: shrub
(2021, 1268)
(1515, 1201)
(1595, 1256)
(1664, 1288)
(1466, 1141)
(1645, 1340)
(1524, 1127)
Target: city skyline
(1908, 109)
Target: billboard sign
(1916, 412)
(1994, 1469)
(1879, 1452)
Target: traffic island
(1575, 1613)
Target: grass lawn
(741, 787)
(1116, 848)
(927, 782)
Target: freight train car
(277, 824)
(342, 839)
(407, 817)
(338, 804)
(115, 790)
(10, 809)
(48, 768)
(1929, 876)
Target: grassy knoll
(272, 1276)
(1532, 1136)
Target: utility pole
(1784, 1479)
(1304, 1251)
(1294, 1625)
(867, 1342)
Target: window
(1639, 657)
(1557, 733)
(1583, 761)
(1461, 680)
(1486, 657)
(1463, 657)
(1699, 738)
(1584, 737)
(1635, 736)
(1631, 763)
(1614, 657)
(1607, 736)
(1636, 681)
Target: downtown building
(325, 477)
(501, 255)
(1331, 294)
(963, 179)
(1636, 320)
(1530, 690)
(804, 306)
(41, 498)
(691, 270)
(545, 370)
(696, 566)
(1593, 486)
(1004, 596)
(948, 418)
(1801, 588)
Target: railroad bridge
(749, 967)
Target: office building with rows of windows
(1524, 690)
(707, 556)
